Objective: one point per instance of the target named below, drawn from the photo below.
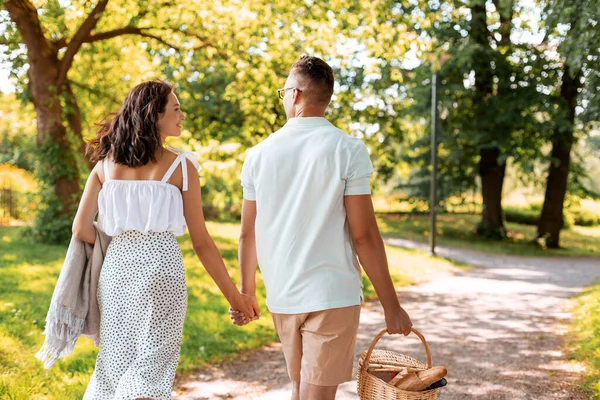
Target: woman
(145, 195)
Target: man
(307, 211)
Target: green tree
(230, 96)
(493, 99)
(45, 43)
(575, 26)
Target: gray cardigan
(74, 309)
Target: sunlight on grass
(586, 331)
(594, 231)
(458, 230)
(224, 230)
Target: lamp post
(433, 183)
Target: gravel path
(499, 330)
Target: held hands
(398, 322)
(244, 310)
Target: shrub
(584, 217)
(530, 215)
(521, 215)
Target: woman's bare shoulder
(98, 171)
(169, 155)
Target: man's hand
(239, 318)
(398, 322)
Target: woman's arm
(83, 224)
(207, 251)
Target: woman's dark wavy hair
(131, 137)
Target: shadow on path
(499, 330)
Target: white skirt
(143, 300)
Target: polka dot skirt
(143, 300)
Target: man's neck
(307, 112)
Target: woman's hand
(244, 309)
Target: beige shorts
(319, 346)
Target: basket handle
(380, 335)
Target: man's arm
(247, 257)
(247, 248)
(368, 244)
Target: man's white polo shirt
(298, 177)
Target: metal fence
(8, 204)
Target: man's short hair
(317, 78)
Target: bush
(530, 215)
(49, 226)
(568, 220)
(584, 217)
(521, 215)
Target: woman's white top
(144, 205)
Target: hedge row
(529, 215)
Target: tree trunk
(73, 114)
(551, 219)
(62, 168)
(492, 182)
(58, 166)
(490, 172)
(48, 82)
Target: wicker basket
(371, 387)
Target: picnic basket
(370, 387)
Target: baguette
(416, 381)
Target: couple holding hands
(307, 220)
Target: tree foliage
(501, 65)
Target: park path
(499, 329)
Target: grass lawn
(28, 273)
(586, 330)
(457, 230)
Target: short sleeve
(247, 182)
(360, 169)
